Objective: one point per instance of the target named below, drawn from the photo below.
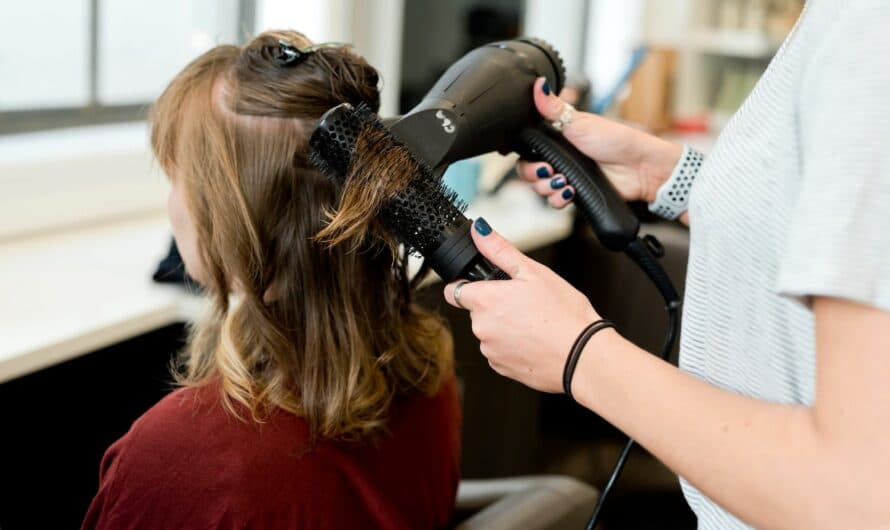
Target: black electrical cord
(644, 252)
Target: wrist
(656, 166)
(672, 197)
(590, 366)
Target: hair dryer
(484, 103)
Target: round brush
(351, 145)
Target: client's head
(326, 332)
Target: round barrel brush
(353, 148)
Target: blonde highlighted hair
(329, 333)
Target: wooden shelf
(724, 48)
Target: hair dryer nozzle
(481, 102)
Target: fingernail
(482, 227)
(567, 194)
(557, 183)
(542, 173)
(545, 88)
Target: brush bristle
(422, 212)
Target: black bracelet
(575, 352)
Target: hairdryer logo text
(447, 126)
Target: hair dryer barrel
(484, 102)
(480, 102)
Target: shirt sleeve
(96, 516)
(838, 239)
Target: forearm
(765, 462)
(775, 466)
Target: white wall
(562, 25)
(58, 179)
(321, 21)
(65, 178)
(374, 27)
(666, 23)
(142, 45)
(377, 34)
(614, 30)
(48, 68)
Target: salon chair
(546, 502)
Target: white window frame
(52, 180)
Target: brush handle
(457, 258)
(612, 221)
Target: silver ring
(565, 117)
(456, 295)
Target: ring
(456, 295)
(565, 117)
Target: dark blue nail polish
(558, 183)
(567, 194)
(542, 173)
(482, 226)
(545, 88)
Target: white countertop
(71, 293)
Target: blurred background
(79, 74)
(82, 223)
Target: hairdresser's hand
(636, 162)
(526, 325)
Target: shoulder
(189, 451)
(852, 31)
(169, 435)
(192, 429)
(429, 423)
(441, 407)
(191, 436)
(175, 423)
(181, 406)
(834, 12)
(149, 462)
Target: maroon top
(186, 463)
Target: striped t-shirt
(793, 202)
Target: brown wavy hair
(329, 333)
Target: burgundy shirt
(187, 463)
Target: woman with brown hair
(315, 394)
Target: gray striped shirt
(793, 202)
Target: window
(78, 62)
(89, 70)
(45, 55)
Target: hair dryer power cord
(645, 252)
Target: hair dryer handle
(612, 221)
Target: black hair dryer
(484, 103)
